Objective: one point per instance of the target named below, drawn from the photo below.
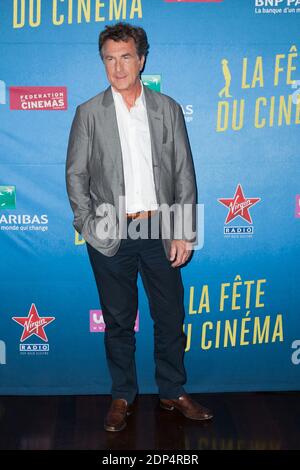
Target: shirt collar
(139, 99)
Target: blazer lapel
(112, 134)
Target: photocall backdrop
(234, 67)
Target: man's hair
(123, 32)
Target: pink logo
(297, 210)
(38, 98)
(193, 1)
(97, 324)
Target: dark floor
(263, 421)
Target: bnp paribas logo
(7, 197)
(152, 81)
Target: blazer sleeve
(185, 223)
(77, 170)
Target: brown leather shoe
(188, 407)
(116, 417)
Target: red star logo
(33, 324)
(239, 205)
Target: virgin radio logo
(239, 208)
(34, 326)
(38, 98)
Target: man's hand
(180, 252)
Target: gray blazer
(94, 167)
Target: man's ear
(142, 62)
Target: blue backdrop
(234, 68)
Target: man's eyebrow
(123, 55)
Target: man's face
(122, 63)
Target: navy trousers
(116, 279)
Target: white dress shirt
(136, 153)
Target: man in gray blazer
(128, 161)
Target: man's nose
(118, 65)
